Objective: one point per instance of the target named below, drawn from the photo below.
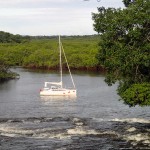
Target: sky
(51, 17)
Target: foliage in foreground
(125, 49)
(137, 94)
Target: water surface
(95, 119)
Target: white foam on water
(80, 131)
(132, 129)
(14, 131)
(61, 136)
(52, 135)
(38, 133)
(132, 120)
(146, 142)
(42, 130)
(138, 137)
(61, 149)
(10, 131)
(79, 123)
(9, 135)
(37, 121)
(76, 119)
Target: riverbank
(4, 76)
(94, 69)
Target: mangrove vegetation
(41, 52)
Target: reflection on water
(58, 98)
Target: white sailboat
(56, 88)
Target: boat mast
(60, 61)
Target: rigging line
(60, 61)
(68, 66)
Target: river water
(94, 120)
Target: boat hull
(62, 92)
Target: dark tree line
(6, 37)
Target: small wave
(37, 133)
(70, 128)
(8, 134)
(14, 121)
(132, 120)
(78, 122)
(13, 131)
(81, 131)
(47, 132)
(61, 148)
(53, 136)
(144, 138)
(132, 129)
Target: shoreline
(94, 69)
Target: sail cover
(53, 83)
